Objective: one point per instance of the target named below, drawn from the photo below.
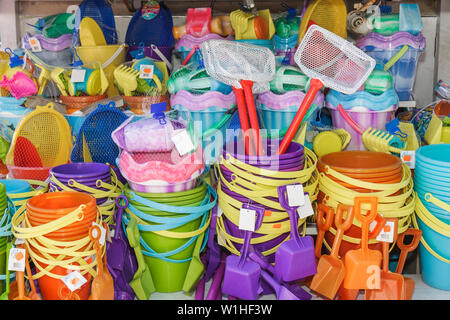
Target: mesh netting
(230, 62)
(96, 132)
(336, 62)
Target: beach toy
(378, 82)
(247, 25)
(20, 85)
(220, 25)
(242, 270)
(194, 81)
(328, 14)
(317, 58)
(359, 262)
(241, 65)
(296, 249)
(330, 141)
(322, 226)
(49, 44)
(410, 19)
(92, 85)
(54, 26)
(288, 78)
(101, 12)
(126, 77)
(90, 33)
(58, 76)
(386, 24)
(157, 74)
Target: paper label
(387, 233)
(247, 219)
(146, 71)
(305, 210)
(19, 241)
(220, 239)
(295, 195)
(408, 158)
(78, 75)
(16, 260)
(219, 211)
(183, 142)
(35, 44)
(74, 280)
(101, 241)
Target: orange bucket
(60, 203)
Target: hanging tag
(247, 219)
(387, 233)
(219, 211)
(220, 239)
(295, 195)
(16, 260)
(78, 75)
(183, 142)
(74, 280)
(408, 158)
(101, 241)
(306, 209)
(19, 241)
(146, 71)
(35, 44)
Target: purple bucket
(365, 118)
(149, 52)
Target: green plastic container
(3, 265)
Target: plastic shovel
(295, 258)
(196, 266)
(363, 265)
(214, 290)
(118, 247)
(323, 225)
(392, 284)
(281, 291)
(331, 269)
(142, 282)
(4, 295)
(102, 287)
(32, 294)
(241, 278)
(405, 249)
(214, 253)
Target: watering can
(249, 26)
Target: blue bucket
(14, 186)
(435, 156)
(431, 206)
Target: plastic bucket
(143, 104)
(82, 170)
(28, 173)
(14, 186)
(10, 116)
(102, 54)
(3, 265)
(78, 103)
(148, 51)
(437, 155)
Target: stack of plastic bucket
(383, 48)
(159, 214)
(47, 208)
(18, 191)
(432, 185)
(91, 177)
(3, 237)
(296, 165)
(385, 173)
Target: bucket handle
(441, 204)
(349, 120)
(113, 57)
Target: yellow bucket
(109, 56)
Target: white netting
(333, 60)
(230, 62)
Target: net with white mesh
(333, 60)
(230, 62)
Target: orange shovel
(405, 249)
(392, 284)
(33, 295)
(330, 269)
(322, 226)
(363, 265)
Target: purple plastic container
(50, 44)
(149, 52)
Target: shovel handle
(341, 227)
(119, 213)
(406, 248)
(367, 219)
(323, 225)
(243, 119)
(250, 102)
(378, 227)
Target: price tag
(408, 158)
(306, 209)
(74, 280)
(387, 233)
(295, 195)
(35, 44)
(219, 211)
(247, 219)
(16, 260)
(78, 75)
(19, 241)
(102, 234)
(183, 142)
(220, 239)
(146, 71)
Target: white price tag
(19, 241)
(78, 75)
(102, 234)
(387, 233)
(16, 260)
(305, 210)
(247, 219)
(295, 195)
(74, 280)
(408, 158)
(146, 71)
(219, 211)
(35, 44)
(220, 239)
(183, 142)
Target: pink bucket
(365, 118)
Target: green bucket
(3, 266)
(169, 276)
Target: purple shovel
(214, 253)
(241, 278)
(295, 258)
(281, 291)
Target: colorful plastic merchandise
(173, 231)
(252, 179)
(7, 210)
(55, 227)
(383, 48)
(432, 186)
(96, 179)
(348, 174)
(19, 191)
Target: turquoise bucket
(14, 186)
